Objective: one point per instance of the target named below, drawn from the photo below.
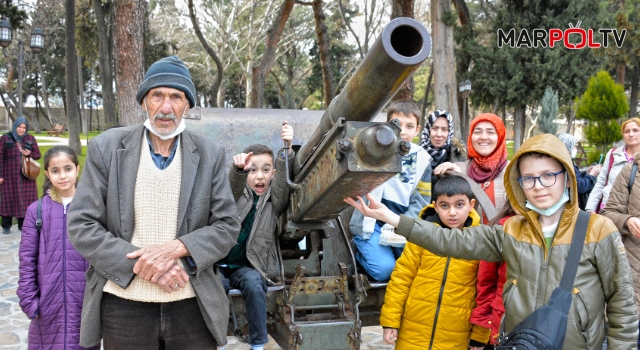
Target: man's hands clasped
(158, 264)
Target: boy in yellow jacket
(429, 298)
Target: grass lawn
(92, 134)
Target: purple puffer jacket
(51, 284)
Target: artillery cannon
(320, 300)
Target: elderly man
(153, 214)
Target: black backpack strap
(577, 243)
(632, 176)
(39, 217)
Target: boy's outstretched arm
(375, 210)
(473, 243)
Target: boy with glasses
(540, 183)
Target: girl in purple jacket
(51, 285)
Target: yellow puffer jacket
(426, 289)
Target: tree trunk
(445, 89)
(249, 83)
(633, 96)
(323, 49)
(260, 71)
(519, 125)
(215, 87)
(106, 67)
(572, 118)
(620, 70)
(83, 115)
(425, 100)
(45, 94)
(129, 38)
(71, 78)
(8, 107)
(403, 8)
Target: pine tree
(603, 99)
(602, 104)
(549, 112)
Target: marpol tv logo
(574, 38)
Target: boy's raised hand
(287, 135)
(375, 210)
(287, 132)
(242, 161)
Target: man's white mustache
(160, 115)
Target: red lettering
(578, 31)
(592, 44)
(554, 35)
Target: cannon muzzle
(347, 155)
(401, 48)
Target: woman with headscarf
(16, 191)
(437, 139)
(486, 166)
(586, 180)
(487, 158)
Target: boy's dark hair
(407, 108)
(451, 185)
(258, 149)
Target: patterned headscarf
(568, 140)
(19, 120)
(482, 168)
(438, 155)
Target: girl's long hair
(507, 210)
(52, 152)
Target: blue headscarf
(19, 120)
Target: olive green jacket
(261, 244)
(534, 270)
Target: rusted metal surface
(329, 178)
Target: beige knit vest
(156, 215)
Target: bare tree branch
(216, 85)
(346, 23)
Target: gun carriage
(320, 300)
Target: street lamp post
(464, 89)
(36, 43)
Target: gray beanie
(568, 140)
(168, 72)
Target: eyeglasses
(546, 180)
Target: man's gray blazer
(101, 220)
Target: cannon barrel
(347, 154)
(403, 45)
